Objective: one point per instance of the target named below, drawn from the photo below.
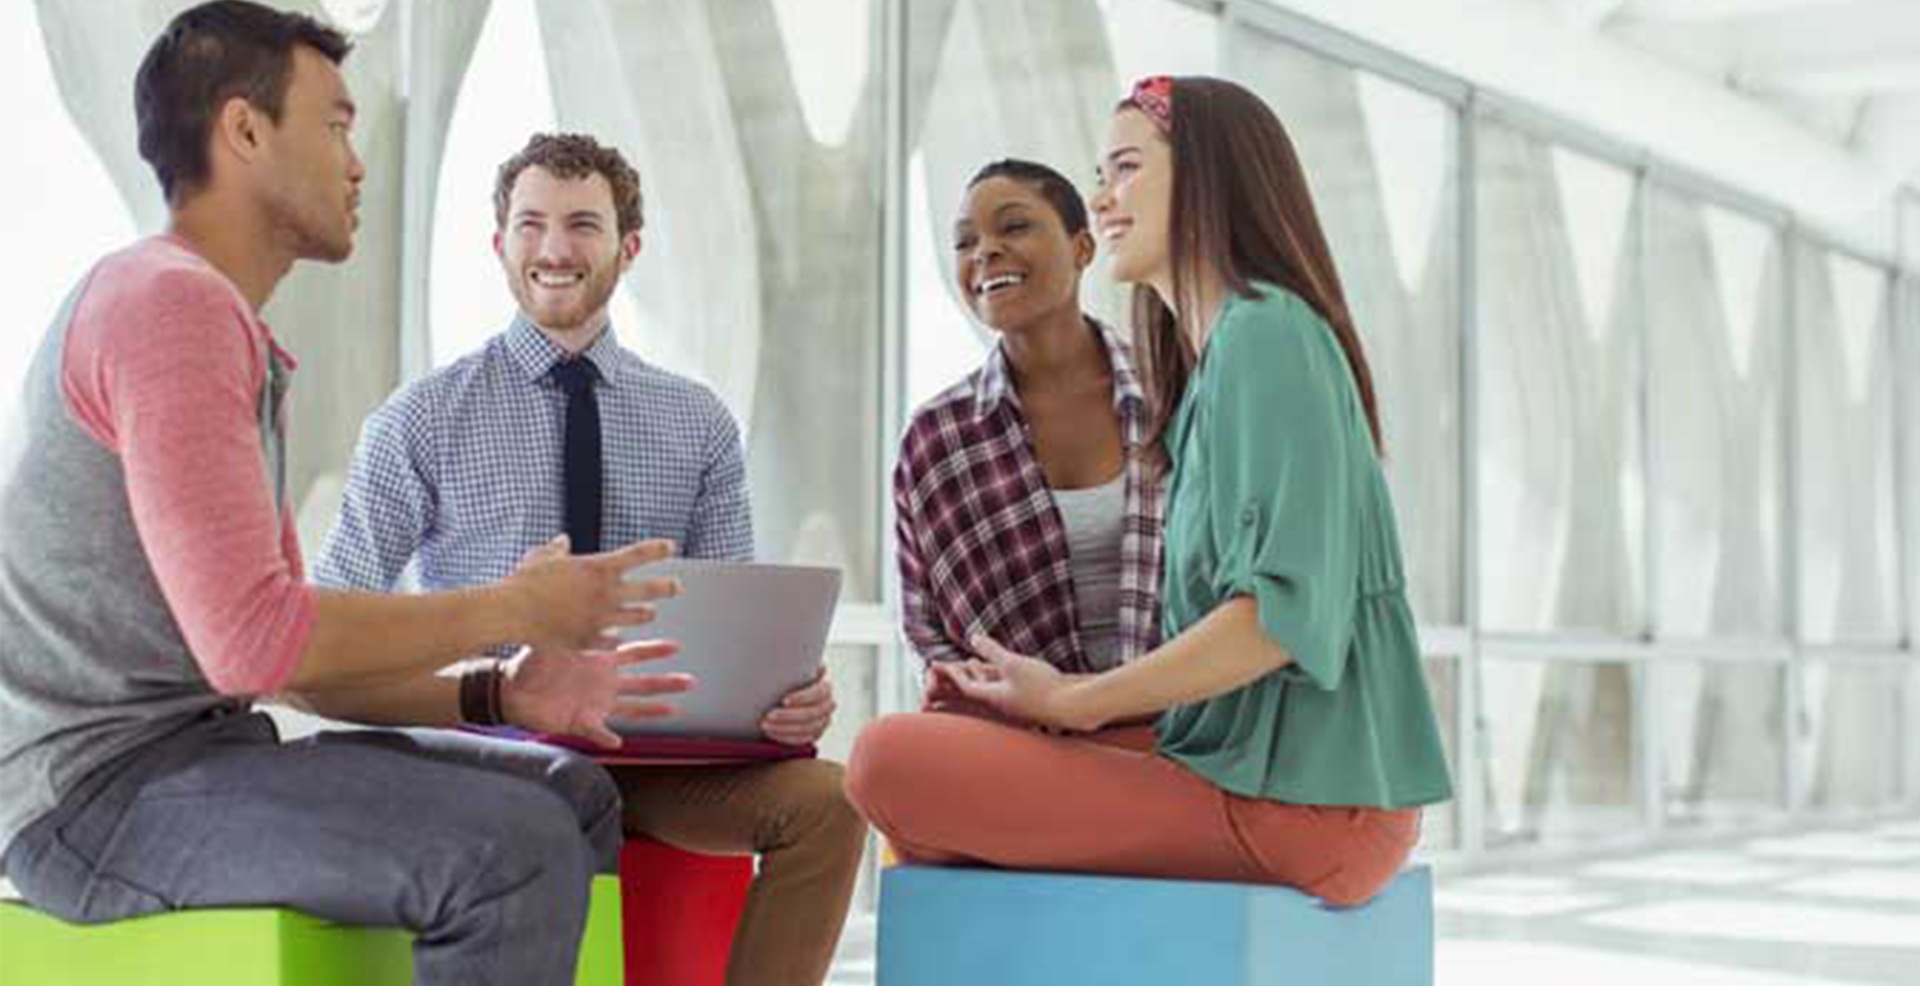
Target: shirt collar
(995, 382)
(1127, 388)
(536, 355)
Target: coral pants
(947, 788)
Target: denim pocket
(56, 880)
(109, 898)
(105, 895)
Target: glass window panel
(1910, 738)
(1382, 163)
(1849, 570)
(827, 60)
(1716, 370)
(1559, 751)
(1440, 824)
(1909, 722)
(354, 16)
(1909, 225)
(1561, 490)
(815, 431)
(1851, 720)
(854, 671)
(1159, 37)
(1907, 357)
(71, 229)
(943, 344)
(1720, 727)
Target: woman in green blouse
(1295, 740)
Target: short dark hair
(572, 156)
(208, 55)
(1052, 186)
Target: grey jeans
(483, 848)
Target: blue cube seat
(948, 925)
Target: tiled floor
(1830, 908)
(1837, 907)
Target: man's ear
(237, 129)
(499, 244)
(630, 245)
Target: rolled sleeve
(1282, 505)
(919, 617)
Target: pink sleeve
(169, 378)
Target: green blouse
(1276, 493)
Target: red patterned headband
(1154, 96)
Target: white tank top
(1095, 519)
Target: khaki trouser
(794, 816)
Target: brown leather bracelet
(480, 695)
(496, 693)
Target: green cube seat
(248, 947)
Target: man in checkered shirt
(461, 473)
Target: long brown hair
(1240, 204)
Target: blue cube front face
(1389, 941)
(950, 926)
(975, 926)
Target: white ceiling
(1847, 69)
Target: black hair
(208, 55)
(1052, 186)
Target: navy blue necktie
(577, 377)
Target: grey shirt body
(93, 664)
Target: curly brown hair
(573, 156)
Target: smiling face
(309, 173)
(1014, 259)
(1132, 210)
(562, 251)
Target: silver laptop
(750, 633)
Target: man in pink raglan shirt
(151, 587)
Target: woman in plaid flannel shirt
(1002, 478)
(1295, 741)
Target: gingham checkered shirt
(982, 548)
(463, 467)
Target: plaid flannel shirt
(982, 548)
